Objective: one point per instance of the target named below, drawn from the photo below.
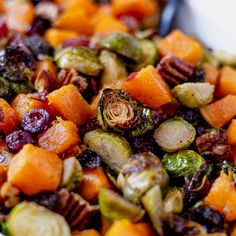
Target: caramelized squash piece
(211, 74)
(182, 46)
(231, 132)
(34, 170)
(87, 232)
(70, 104)
(61, 136)
(8, 118)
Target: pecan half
(214, 144)
(175, 70)
(75, 209)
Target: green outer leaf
(183, 163)
(113, 149)
(125, 45)
(115, 207)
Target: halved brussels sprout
(117, 112)
(174, 134)
(153, 203)
(26, 87)
(183, 163)
(142, 171)
(115, 207)
(173, 202)
(72, 173)
(30, 219)
(5, 89)
(149, 52)
(113, 68)
(113, 149)
(224, 58)
(194, 95)
(81, 59)
(125, 45)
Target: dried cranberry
(39, 26)
(89, 159)
(36, 120)
(81, 40)
(89, 125)
(3, 30)
(131, 22)
(16, 140)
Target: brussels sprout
(30, 219)
(80, 59)
(142, 171)
(115, 207)
(194, 95)
(125, 45)
(208, 57)
(114, 150)
(26, 87)
(117, 112)
(173, 202)
(113, 68)
(72, 173)
(152, 202)
(183, 163)
(150, 55)
(224, 58)
(174, 134)
(5, 89)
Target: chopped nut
(10, 194)
(75, 209)
(175, 70)
(214, 144)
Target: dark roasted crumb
(89, 159)
(198, 75)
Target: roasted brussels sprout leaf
(117, 112)
(113, 68)
(153, 203)
(194, 95)
(30, 219)
(113, 149)
(72, 173)
(115, 207)
(25, 87)
(5, 89)
(183, 163)
(173, 202)
(16, 64)
(174, 134)
(142, 171)
(81, 59)
(149, 52)
(4, 230)
(125, 45)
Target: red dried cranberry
(131, 22)
(81, 40)
(3, 30)
(39, 26)
(89, 159)
(36, 120)
(16, 140)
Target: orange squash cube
(148, 87)
(211, 74)
(61, 136)
(34, 170)
(182, 46)
(70, 104)
(8, 118)
(231, 132)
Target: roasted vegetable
(174, 134)
(153, 203)
(80, 59)
(5, 89)
(149, 52)
(115, 207)
(25, 87)
(183, 163)
(16, 64)
(194, 95)
(125, 45)
(142, 172)
(117, 112)
(42, 221)
(72, 173)
(114, 150)
(173, 202)
(113, 68)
